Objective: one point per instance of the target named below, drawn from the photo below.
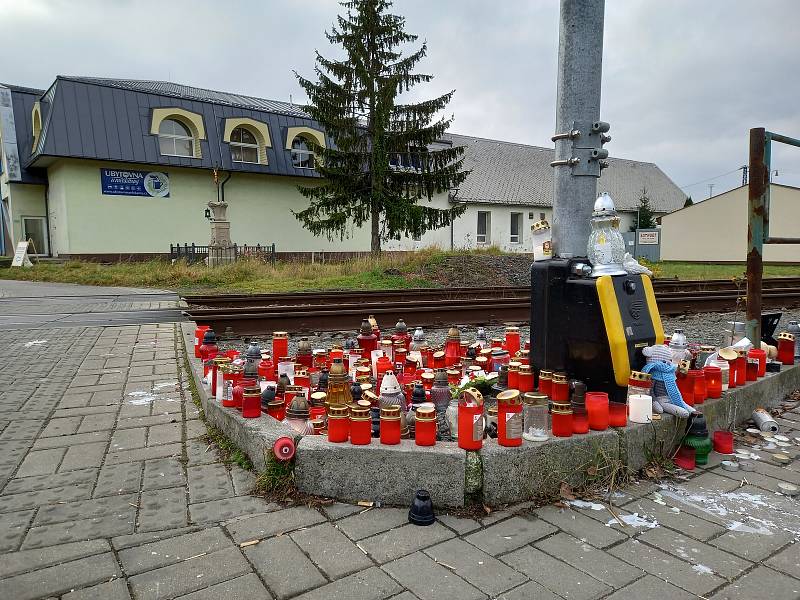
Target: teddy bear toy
(666, 395)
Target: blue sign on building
(119, 182)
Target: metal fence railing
(193, 253)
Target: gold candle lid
(639, 376)
(280, 334)
(428, 375)
(438, 354)
(472, 395)
(545, 374)
(318, 397)
(785, 335)
(221, 360)
(492, 411)
(525, 369)
(535, 399)
(510, 397)
(338, 410)
(370, 397)
(558, 378)
(728, 353)
(425, 413)
(390, 412)
(514, 366)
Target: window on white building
(244, 147)
(302, 155)
(175, 139)
(483, 234)
(516, 228)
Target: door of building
(35, 229)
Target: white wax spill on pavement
(634, 520)
(585, 504)
(35, 343)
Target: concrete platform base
(495, 475)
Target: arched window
(244, 146)
(175, 138)
(302, 155)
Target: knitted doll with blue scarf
(666, 395)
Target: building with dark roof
(95, 166)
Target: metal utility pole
(579, 133)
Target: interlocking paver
(651, 587)
(761, 582)
(12, 529)
(555, 575)
(189, 575)
(429, 580)
(163, 451)
(209, 482)
(41, 462)
(666, 567)
(600, 565)
(172, 550)
(681, 521)
(162, 509)
(370, 522)
(247, 587)
(475, 566)
(83, 509)
(752, 546)
(119, 479)
(167, 433)
(23, 500)
(43, 482)
(284, 567)
(695, 552)
(215, 511)
(23, 561)
(60, 578)
(267, 525)
(66, 426)
(163, 473)
(510, 534)
(581, 526)
(528, 591)
(71, 531)
(111, 590)
(83, 456)
(370, 584)
(331, 550)
(400, 541)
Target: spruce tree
(689, 202)
(645, 217)
(383, 162)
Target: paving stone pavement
(106, 491)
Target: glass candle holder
(761, 356)
(513, 375)
(280, 344)
(509, 418)
(724, 371)
(559, 388)
(713, 375)
(786, 348)
(338, 424)
(752, 368)
(513, 342)
(597, 407)
(360, 427)
(741, 367)
(698, 379)
(439, 360)
(546, 382)
(639, 383)
(525, 379)
(580, 419)
(617, 414)
(427, 380)
(535, 417)
(470, 420)
(500, 359)
(425, 426)
(251, 402)
(686, 388)
(390, 425)
(562, 422)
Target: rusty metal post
(756, 206)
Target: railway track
(339, 311)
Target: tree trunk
(375, 245)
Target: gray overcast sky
(683, 81)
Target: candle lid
(535, 399)
(545, 374)
(510, 397)
(727, 353)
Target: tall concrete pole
(580, 61)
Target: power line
(683, 187)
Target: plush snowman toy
(666, 395)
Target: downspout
(222, 187)
(47, 218)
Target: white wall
(715, 230)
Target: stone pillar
(220, 248)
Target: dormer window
(302, 155)
(244, 147)
(175, 139)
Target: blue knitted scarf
(666, 374)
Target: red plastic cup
(723, 442)
(685, 458)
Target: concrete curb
(391, 474)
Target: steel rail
(346, 316)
